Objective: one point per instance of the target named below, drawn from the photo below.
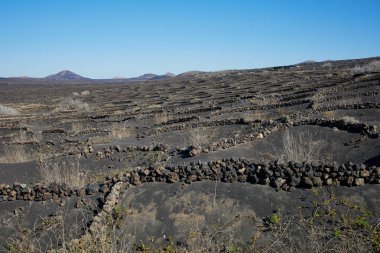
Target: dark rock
(278, 182)
(104, 188)
(307, 182)
(118, 148)
(92, 189)
(317, 181)
(294, 181)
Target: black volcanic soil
(111, 127)
(167, 210)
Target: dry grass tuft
(202, 136)
(301, 147)
(15, 154)
(370, 67)
(162, 118)
(350, 120)
(72, 104)
(6, 110)
(330, 225)
(69, 173)
(120, 131)
(255, 115)
(329, 114)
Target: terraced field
(169, 163)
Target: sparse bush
(120, 131)
(370, 67)
(85, 93)
(6, 110)
(329, 225)
(334, 225)
(350, 120)
(327, 65)
(201, 136)
(53, 233)
(69, 173)
(162, 118)
(70, 104)
(255, 115)
(320, 97)
(15, 154)
(329, 114)
(154, 106)
(301, 147)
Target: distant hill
(150, 76)
(66, 76)
(191, 73)
(164, 76)
(307, 62)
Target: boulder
(307, 182)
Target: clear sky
(107, 38)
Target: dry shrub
(48, 234)
(154, 106)
(69, 173)
(120, 131)
(15, 154)
(99, 139)
(85, 93)
(333, 225)
(370, 67)
(328, 225)
(25, 136)
(255, 115)
(301, 146)
(71, 104)
(261, 100)
(329, 114)
(22, 136)
(320, 97)
(215, 237)
(76, 127)
(202, 136)
(162, 118)
(108, 239)
(6, 110)
(350, 120)
(82, 93)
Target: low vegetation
(15, 154)
(6, 110)
(202, 136)
(370, 67)
(120, 131)
(162, 118)
(71, 104)
(301, 147)
(330, 225)
(69, 173)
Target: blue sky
(103, 39)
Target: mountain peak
(65, 75)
